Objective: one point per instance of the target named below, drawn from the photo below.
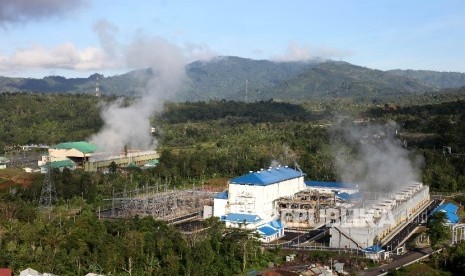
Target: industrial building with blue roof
(331, 185)
(267, 177)
(249, 201)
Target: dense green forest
(71, 240)
(226, 138)
(199, 143)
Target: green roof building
(81, 146)
(60, 165)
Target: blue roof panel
(222, 195)
(452, 218)
(451, 212)
(448, 207)
(237, 217)
(267, 177)
(350, 197)
(331, 185)
(267, 230)
(276, 224)
(374, 248)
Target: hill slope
(437, 79)
(234, 78)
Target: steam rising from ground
(286, 157)
(374, 159)
(130, 125)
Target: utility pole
(246, 90)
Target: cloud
(12, 11)
(297, 52)
(64, 56)
(196, 51)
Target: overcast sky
(76, 38)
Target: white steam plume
(374, 159)
(130, 125)
(286, 157)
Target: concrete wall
(93, 166)
(259, 200)
(219, 207)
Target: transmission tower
(48, 195)
(97, 88)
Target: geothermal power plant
(271, 202)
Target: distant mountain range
(234, 78)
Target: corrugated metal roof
(452, 218)
(451, 212)
(61, 164)
(81, 146)
(267, 177)
(350, 197)
(240, 218)
(267, 230)
(152, 163)
(331, 185)
(448, 207)
(276, 224)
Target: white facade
(250, 200)
(380, 220)
(258, 199)
(219, 207)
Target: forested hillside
(37, 118)
(436, 79)
(240, 79)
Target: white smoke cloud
(130, 125)
(373, 158)
(12, 11)
(286, 158)
(307, 52)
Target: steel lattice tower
(97, 88)
(48, 195)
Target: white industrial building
(250, 200)
(376, 221)
(264, 199)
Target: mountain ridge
(236, 78)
